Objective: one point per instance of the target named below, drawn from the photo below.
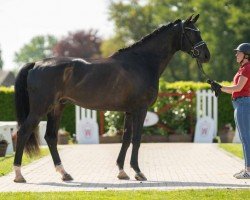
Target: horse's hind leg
(24, 133)
(51, 138)
(126, 139)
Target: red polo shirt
(243, 71)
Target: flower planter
(180, 138)
(3, 149)
(63, 136)
(63, 139)
(110, 139)
(226, 134)
(154, 138)
(227, 137)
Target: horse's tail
(23, 107)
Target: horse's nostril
(207, 56)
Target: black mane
(147, 37)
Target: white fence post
(87, 131)
(207, 116)
(207, 106)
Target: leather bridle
(194, 51)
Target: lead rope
(209, 80)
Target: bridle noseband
(194, 52)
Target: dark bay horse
(127, 81)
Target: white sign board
(204, 130)
(88, 132)
(151, 119)
(6, 130)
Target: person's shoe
(243, 170)
(242, 175)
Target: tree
(38, 48)
(80, 44)
(1, 61)
(132, 20)
(224, 24)
(111, 45)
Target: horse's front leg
(126, 139)
(51, 139)
(138, 121)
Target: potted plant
(3, 146)
(63, 136)
(226, 133)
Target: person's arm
(235, 88)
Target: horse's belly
(100, 101)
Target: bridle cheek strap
(194, 52)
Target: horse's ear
(188, 19)
(195, 18)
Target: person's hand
(216, 87)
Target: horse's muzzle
(204, 55)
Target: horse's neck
(162, 47)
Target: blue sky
(23, 19)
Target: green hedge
(175, 118)
(7, 110)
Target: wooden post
(102, 123)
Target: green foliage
(111, 45)
(38, 48)
(224, 24)
(132, 21)
(113, 119)
(179, 118)
(7, 112)
(68, 119)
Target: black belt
(234, 99)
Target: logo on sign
(87, 132)
(205, 128)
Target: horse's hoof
(140, 177)
(67, 177)
(19, 179)
(123, 176)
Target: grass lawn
(235, 149)
(134, 194)
(6, 163)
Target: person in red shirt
(240, 91)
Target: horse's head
(191, 41)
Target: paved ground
(166, 165)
